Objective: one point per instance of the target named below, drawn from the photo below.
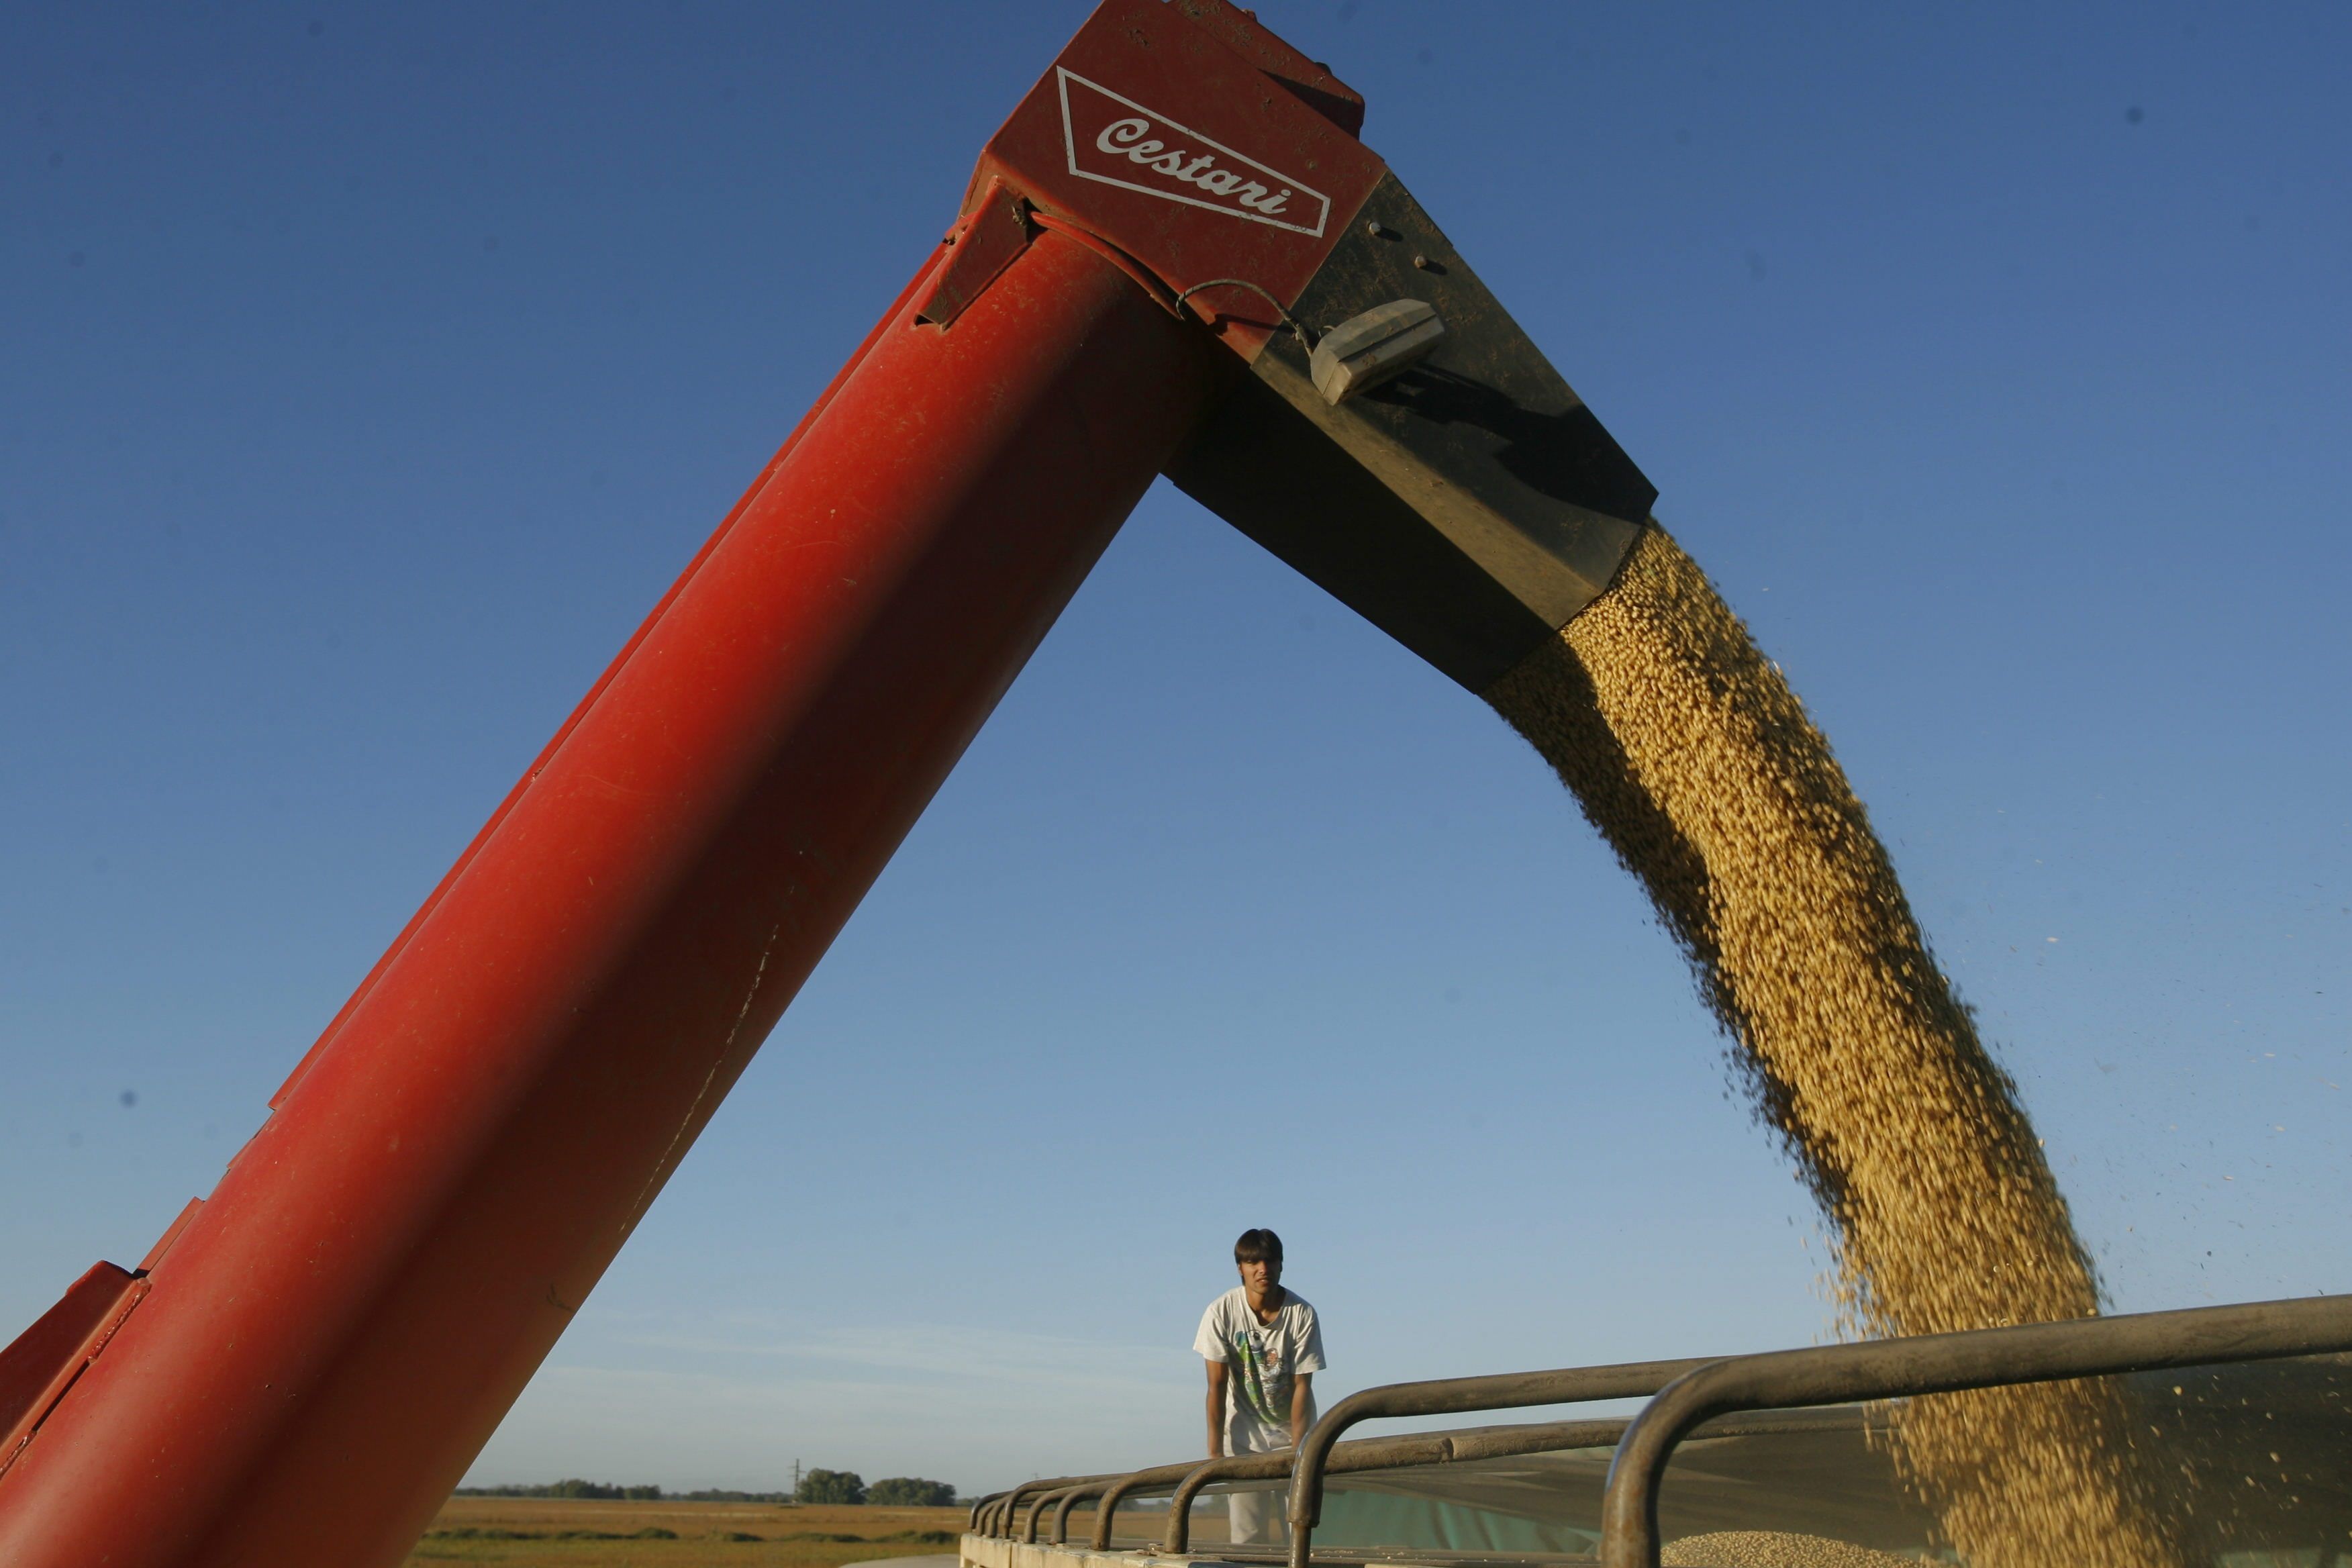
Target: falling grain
(1688, 750)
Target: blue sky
(366, 373)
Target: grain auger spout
(1397, 437)
(1175, 257)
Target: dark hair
(1259, 1246)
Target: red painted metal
(982, 244)
(193, 1208)
(1204, 81)
(310, 1358)
(1308, 80)
(44, 1361)
(1209, 63)
(341, 1327)
(889, 318)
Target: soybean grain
(1689, 752)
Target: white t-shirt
(1263, 1358)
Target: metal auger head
(1395, 436)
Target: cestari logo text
(1120, 142)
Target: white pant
(1257, 1518)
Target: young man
(1263, 1347)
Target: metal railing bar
(1008, 1504)
(1069, 1498)
(1227, 1467)
(1389, 1454)
(1036, 1491)
(1058, 1500)
(1940, 1363)
(1473, 1443)
(1119, 1490)
(1108, 1493)
(1453, 1395)
(1417, 1449)
(1385, 1453)
(997, 1522)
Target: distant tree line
(600, 1490)
(834, 1487)
(838, 1487)
(571, 1487)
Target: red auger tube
(339, 1328)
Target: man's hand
(1302, 1405)
(1218, 1372)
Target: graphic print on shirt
(1254, 1392)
